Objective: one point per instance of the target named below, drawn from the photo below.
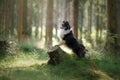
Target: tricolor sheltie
(67, 38)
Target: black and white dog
(67, 38)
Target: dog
(66, 36)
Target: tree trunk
(20, 22)
(97, 21)
(6, 21)
(81, 17)
(12, 18)
(25, 25)
(90, 19)
(49, 23)
(118, 18)
(41, 18)
(30, 18)
(75, 17)
(1, 18)
(22, 33)
(113, 35)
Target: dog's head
(65, 25)
(64, 29)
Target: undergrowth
(30, 63)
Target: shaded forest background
(95, 22)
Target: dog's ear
(67, 24)
(64, 24)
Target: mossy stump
(55, 55)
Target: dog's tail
(86, 54)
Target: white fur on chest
(63, 32)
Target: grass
(32, 65)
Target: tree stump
(55, 55)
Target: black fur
(66, 25)
(73, 43)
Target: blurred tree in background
(30, 21)
(113, 33)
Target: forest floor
(33, 66)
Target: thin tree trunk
(41, 18)
(81, 17)
(90, 19)
(2, 19)
(101, 20)
(30, 18)
(81, 22)
(75, 17)
(6, 22)
(12, 17)
(49, 23)
(20, 22)
(97, 21)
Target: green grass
(32, 65)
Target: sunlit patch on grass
(102, 75)
(23, 60)
(23, 64)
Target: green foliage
(111, 37)
(8, 48)
(12, 47)
(30, 50)
(4, 77)
(27, 48)
(33, 67)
